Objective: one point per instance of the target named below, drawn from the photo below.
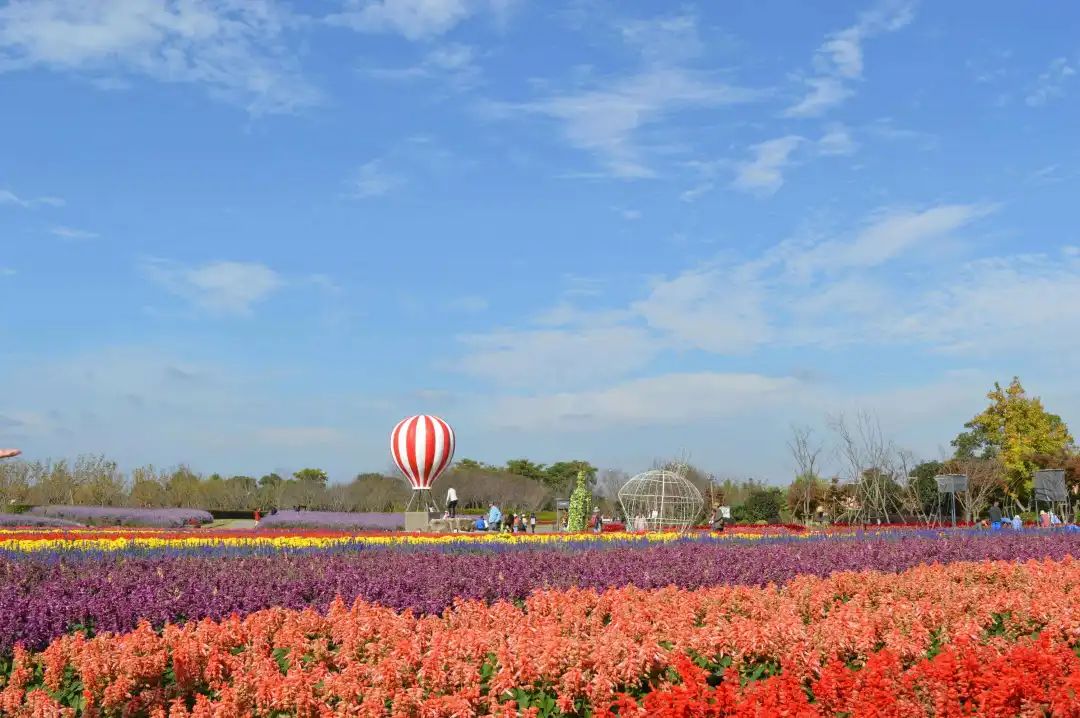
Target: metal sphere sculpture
(660, 500)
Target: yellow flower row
(98, 540)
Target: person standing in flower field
(995, 516)
(451, 502)
(494, 518)
(597, 522)
(532, 523)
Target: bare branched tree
(805, 452)
(873, 465)
(986, 477)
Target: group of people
(996, 520)
(510, 523)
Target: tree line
(999, 450)
(871, 477)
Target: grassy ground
(232, 524)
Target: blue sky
(252, 235)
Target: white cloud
(453, 64)
(235, 49)
(664, 399)
(232, 288)
(839, 60)
(836, 141)
(1051, 83)
(664, 40)
(605, 120)
(372, 180)
(9, 197)
(824, 93)
(888, 235)
(556, 357)
(72, 233)
(718, 309)
(414, 19)
(696, 192)
(630, 215)
(831, 290)
(763, 175)
(999, 304)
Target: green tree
(763, 504)
(923, 491)
(314, 476)
(561, 474)
(1017, 428)
(805, 494)
(580, 501)
(270, 480)
(526, 468)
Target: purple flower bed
(334, 520)
(24, 520)
(42, 597)
(114, 516)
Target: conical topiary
(580, 499)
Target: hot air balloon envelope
(422, 447)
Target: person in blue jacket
(494, 518)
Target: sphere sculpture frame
(660, 500)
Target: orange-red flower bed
(989, 638)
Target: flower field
(988, 638)
(112, 516)
(320, 623)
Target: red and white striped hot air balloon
(422, 447)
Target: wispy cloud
(453, 64)
(827, 290)
(659, 400)
(886, 236)
(10, 198)
(415, 19)
(236, 50)
(837, 140)
(73, 233)
(605, 116)
(1050, 174)
(764, 174)
(373, 180)
(227, 288)
(7, 272)
(839, 60)
(1050, 85)
(604, 120)
(697, 192)
(555, 357)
